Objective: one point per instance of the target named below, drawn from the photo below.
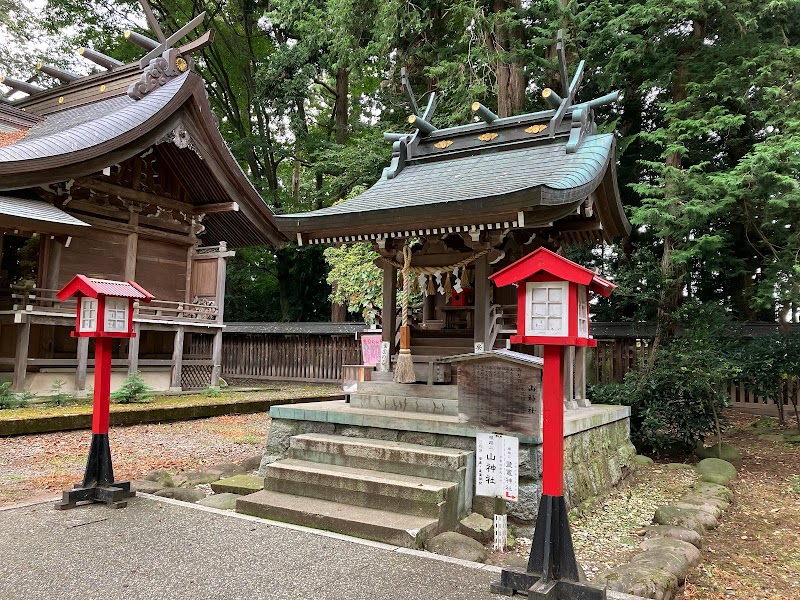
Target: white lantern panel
(88, 316)
(583, 311)
(116, 315)
(547, 306)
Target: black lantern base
(98, 480)
(553, 572)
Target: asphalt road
(156, 550)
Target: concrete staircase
(393, 492)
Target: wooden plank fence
(314, 358)
(617, 353)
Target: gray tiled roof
(36, 210)
(82, 127)
(562, 178)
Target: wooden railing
(37, 299)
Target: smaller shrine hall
(468, 201)
(121, 174)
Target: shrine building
(123, 175)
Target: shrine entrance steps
(393, 492)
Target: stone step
(405, 494)
(402, 458)
(391, 528)
(414, 404)
(429, 462)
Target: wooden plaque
(498, 395)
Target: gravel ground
(33, 465)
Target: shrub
(9, 399)
(132, 390)
(59, 397)
(212, 391)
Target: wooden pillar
(482, 302)
(216, 358)
(569, 374)
(389, 308)
(54, 248)
(80, 372)
(133, 349)
(580, 377)
(222, 262)
(177, 361)
(132, 247)
(21, 357)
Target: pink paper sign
(371, 349)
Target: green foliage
(9, 399)
(359, 281)
(212, 391)
(132, 390)
(58, 396)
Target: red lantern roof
(543, 260)
(80, 285)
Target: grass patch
(84, 406)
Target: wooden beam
(21, 356)
(104, 187)
(80, 371)
(389, 308)
(207, 209)
(482, 301)
(133, 349)
(125, 229)
(216, 358)
(177, 361)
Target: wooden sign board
(500, 391)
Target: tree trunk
(509, 73)
(341, 109)
(338, 311)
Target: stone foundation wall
(595, 459)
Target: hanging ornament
(431, 290)
(465, 278)
(457, 288)
(421, 281)
(414, 285)
(439, 287)
(448, 288)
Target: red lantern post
(104, 312)
(553, 310)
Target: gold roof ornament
(487, 137)
(444, 144)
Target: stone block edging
(671, 545)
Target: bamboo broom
(404, 369)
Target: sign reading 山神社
(500, 391)
(497, 466)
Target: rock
(457, 545)
(642, 461)
(145, 486)
(193, 478)
(280, 432)
(418, 437)
(239, 484)
(225, 501)
(483, 505)
(250, 464)
(665, 558)
(715, 478)
(727, 452)
(179, 479)
(677, 517)
(641, 579)
(704, 517)
(161, 476)
(676, 533)
(716, 467)
(688, 550)
(678, 466)
(228, 469)
(712, 490)
(182, 494)
(771, 437)
(793, 439)
(477, 527)
(692, 498)
(527, 507)
(714, 511)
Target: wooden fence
(620, 349)
(310, 352)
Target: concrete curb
(126, 416)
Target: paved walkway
(166, 550)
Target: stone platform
(597, 444)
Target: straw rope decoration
(404, 369)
